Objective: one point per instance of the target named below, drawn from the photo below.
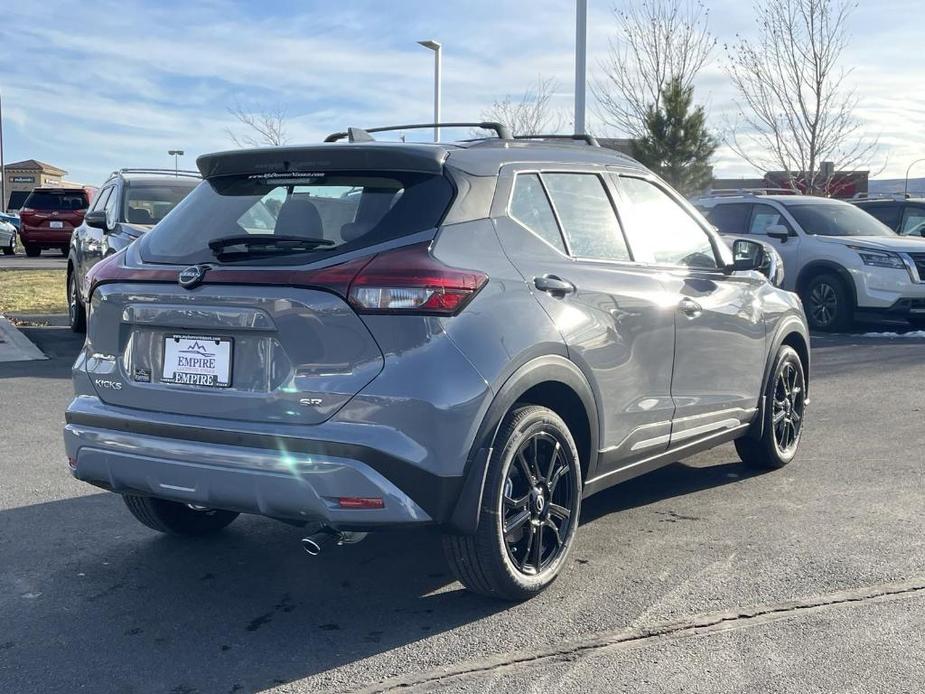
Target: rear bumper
(51, 238)
(244, 472)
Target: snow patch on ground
(913, 333)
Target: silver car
(7, 238)
(361, 335)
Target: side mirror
(778, 232)
(96, 219)
(754, 255)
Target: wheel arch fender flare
(790, 330)
(822, 266)
(464, 518)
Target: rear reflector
(411, 280)
(368, 502)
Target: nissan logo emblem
(192, 276)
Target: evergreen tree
(676, 143)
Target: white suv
(838, 258)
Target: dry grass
(32, 291)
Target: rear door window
(765, 216)
(341, 211)
(587, 216)
(54, 200)
(731, 218)
(530, 207)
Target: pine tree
(676, 143)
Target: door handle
(690, 308)
(553, 285)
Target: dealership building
(21, 177)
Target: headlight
(879, 258)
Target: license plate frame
(203, 361)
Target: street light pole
(581, 65)
(437, 48)
(906, 184)
(2, 167)
(176, 153)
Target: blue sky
(95, 86)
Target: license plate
(197, 360)
(56, 225)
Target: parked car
(130, 203)
(48, 217)
(10, 217)
(905, 216)
(838, 259)
(7, 238)
(466, 335)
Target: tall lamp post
(906, 185)
(581, 63)
(176, 154)
(2, 167)
(437, 48)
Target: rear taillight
(411, 280)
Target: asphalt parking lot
(701, 577)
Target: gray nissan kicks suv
(360, 335)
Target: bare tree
(261, 127)
(656, 41)
(531, 113)
(796, 111)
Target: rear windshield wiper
(260, 244)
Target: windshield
(54, 200)
(837, 219)
(344, 210)
(149, 203)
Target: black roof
(482, 157)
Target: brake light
(411, 280)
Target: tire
(175, 518)
(76, 312)
(828, 303)
(64, 250)
(32, 251)
(11, 249)
(540, 514)
(780, 439)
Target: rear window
(344, 210)
(54, 200)
(147, 203)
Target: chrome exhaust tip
(314, 544)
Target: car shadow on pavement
(88, 595)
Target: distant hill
(895, 185)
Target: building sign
(22, 179)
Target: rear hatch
(55, 210)
(235, 306)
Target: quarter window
(587, 216)
(530, 207)
(660, 230)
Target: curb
(14, 346)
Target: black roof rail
(166, 172)
(363, 134)
(589, 140)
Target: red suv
(49, 215)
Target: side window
(731, 218)
(530, 207)
(660, 230)
(914, 222)
(587, 216)
(764, 217)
